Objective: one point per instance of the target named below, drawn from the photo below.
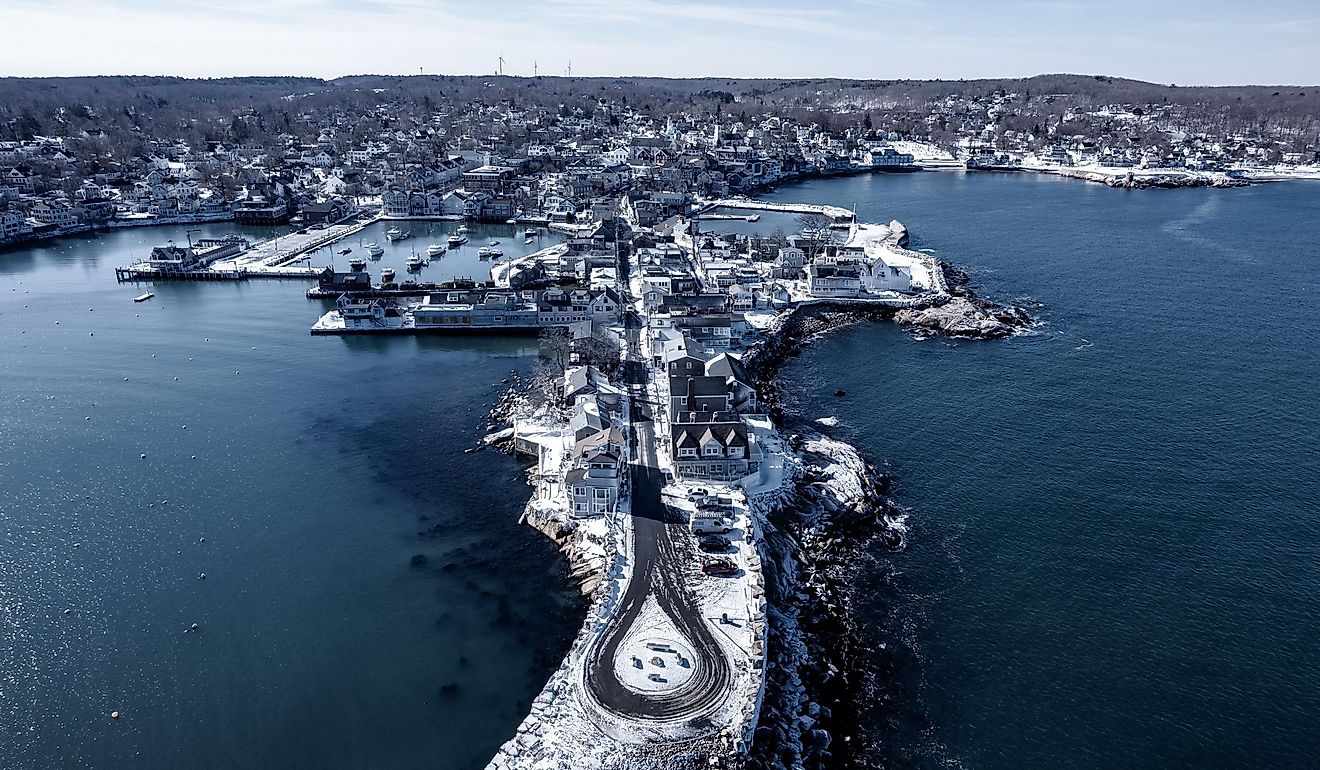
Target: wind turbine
(500, 71)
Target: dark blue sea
(302, 475)
(1113, 553)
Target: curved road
(659, 570)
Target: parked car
(719, 567)
(707, 524)
(714, 544)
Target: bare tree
(816, 233)
(557, 347)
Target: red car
(714, 565)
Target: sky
(1202, 42)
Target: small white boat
(528, 241)
(435, 250)
(387, 275)
(462, 229)
(144, 296)
(357, 264)
(529, 232)
(393, 234)
(374, 249)
(494, 243)
(484, 251)
(457, 239)
(496, 253)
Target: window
(711, 450)
(687, 451)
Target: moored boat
(435, 250)
(144, 296)
(374, 249)
(357, 264)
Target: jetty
(833, 212)
(235, 259)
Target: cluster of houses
(494, 161)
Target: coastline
(832, 508)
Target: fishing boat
(393, 234)
(435, 250)
(415, 262)
(457, 239)
(358, 264)
(484, 251)
(374, 249)
(462, 230)
(529, 232)
(494, 242)
(144, 296)
(387, 275)
(496, 253)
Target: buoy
(125, 379)
(202, 576)
(114, 714)
(87, 418)
(143, 456)
(193, 627)
(194, 457)
(185, 427)
(203, 540)
(66, 612)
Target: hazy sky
(1166, 41)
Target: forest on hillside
(128, 109)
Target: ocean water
(302, 475)
(1114, 545)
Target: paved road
(661, 567)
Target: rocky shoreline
(838, 509)
(820, 668)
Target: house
(718, 451)
(173, 259)
(593, 485)
(697, 393)
(828, 280)
(324, 211)
(488, 178)
(582, 381)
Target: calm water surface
(1114, 554)
(301, 475)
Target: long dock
(833, 212)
